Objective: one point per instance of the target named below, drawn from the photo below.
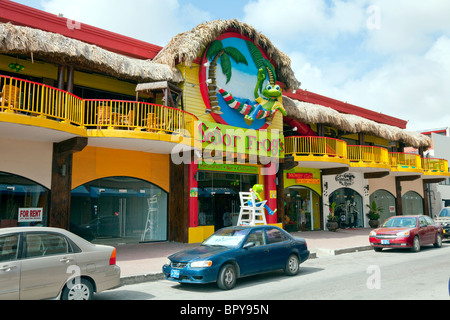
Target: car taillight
(112, 258)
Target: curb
(140, 278)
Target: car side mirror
(248, 245)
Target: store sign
(346, 179)
(303, 178)
(225, 167)
(217, 137)
(30, 214)
(298, 175)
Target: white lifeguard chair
(252, 211)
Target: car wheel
(438, 242)
(81, 290)
(416, 244)
(292, 265)
(377, 249)
(227, 277)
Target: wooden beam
(375, 175)
(331, 171)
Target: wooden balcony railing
(315, 146)
(368, 155)
(35, 99)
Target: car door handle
(7, 268)
(65, 260)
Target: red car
(407, 232)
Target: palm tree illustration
(262, 63)
(215, 52)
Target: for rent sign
(30, 214)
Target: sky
(389, 56)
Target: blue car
(235, 252)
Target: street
(367, 275)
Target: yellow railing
(406, 160)
(368, 154)
(435, 165)
(35, 99)
(315, 146)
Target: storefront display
(22, 202)
(119, 208)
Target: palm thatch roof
(64, 50)
(317, 114)
(189, 45)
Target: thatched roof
(317, 114)
(64, 50)
(189, 45)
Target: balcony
(33, 110)
(435, 169)
(368, 159)
(317, 152)
(405, 164)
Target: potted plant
(374, 214)
(332, 224)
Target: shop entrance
(302, 209)
(218, 197)
(119, 209)
(349, 208)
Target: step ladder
(152, 217)
(252, 211)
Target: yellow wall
(93, 163)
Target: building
(112, 137)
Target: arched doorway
(384, 199)
(412, 203)
(302, 209)
(349, 208)
(119, 208)
(17, 192)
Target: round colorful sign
(238, 83)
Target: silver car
(48, 263)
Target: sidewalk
(143, 262)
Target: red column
(270, 190)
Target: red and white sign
(30, 214)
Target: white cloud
(152, 21)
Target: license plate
(384, 241)
(175, 273)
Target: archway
(122, 209)
(384, 199)
(349, 208)
(17, 192)
(412, 203)
(302, 209)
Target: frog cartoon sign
(238, 83)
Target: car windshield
(230, 238)
(445, 212)
(400, 222)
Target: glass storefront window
(18, 192)
(412, 203)
(218, 197)
(119, 208)
(385, 200)
(302, 210)
(349, 208)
